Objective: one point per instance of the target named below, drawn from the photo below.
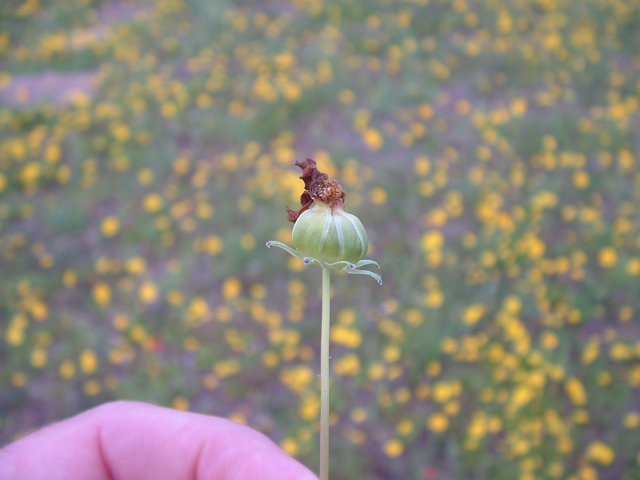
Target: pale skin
(138, 441)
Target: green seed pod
(323, 233)
(330, 235)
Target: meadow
(490, 148)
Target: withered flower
(323, 232)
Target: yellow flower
(145, 176)
(512, 304)
(270, 359)
(438, 422)
(376, 371)
(393, 448)
(120, 131)
(231, 288)
(30, 173)
(289, 446)
(549, 340)
(581, 179)
(39, 357)
(442, 391)
(422, 166)
(210, 381)
(91, 388)
(135, 265)
(631, 420)
(449, 345)
(227, 368)
(633, 266)
(405, 427)
(110, 226)
(607, 257)
(120, 322)
(18, 379)
(372, 139)
(310, 407)
(88, 361)
(625, 313)
(180, 403)
(348, 337)
(349, 365)
(473, 313)
(378, 196)
(576, 392)
(432, 240)
(518, 107)
(346, 96)
(67, 370)
(53, 153)
(391, 353)
(213, 245)
(102, 294)
(600, 452)
(434, 298)
(148, 292)
(433, 368)
(198, 310)
(297, 378)
(152, 202)
(358, 415)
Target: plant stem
(324, 376)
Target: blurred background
(490, 148)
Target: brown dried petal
(305, 201)
(316, 187)
(311, 175)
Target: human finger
(138, 441)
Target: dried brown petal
(316, 187)
(305, 201)
(311, 175)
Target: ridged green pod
(329, 234)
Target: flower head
(323, 232)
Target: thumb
(137, 441)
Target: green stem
(324, 377)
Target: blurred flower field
(490, 148)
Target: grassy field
(491, 149)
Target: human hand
(138, 441)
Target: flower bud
(323, 233)
(330, 235)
